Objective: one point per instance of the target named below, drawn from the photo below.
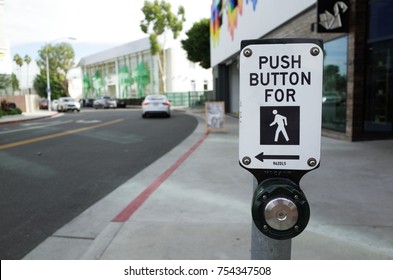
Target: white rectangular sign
(280, 104)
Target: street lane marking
(131, 208)
(33, 126)
(56, 135)
(88, 121)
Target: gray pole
(266, 248)
(47, 79)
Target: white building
(5, 58)
(130, 71)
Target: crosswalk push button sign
(280, 103)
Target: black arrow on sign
(262, 157)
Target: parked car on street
(68, 104)
(104, 102)
(87, 102)
(121, 103)
(43, 104)
(54, 104)
(156, 105)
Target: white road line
(34, 127)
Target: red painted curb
(129, 210)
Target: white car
(68, 104)
(156, 105)
(53, 104)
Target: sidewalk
(36, 115)
(198, 207)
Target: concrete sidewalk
(201, 208)
(37, 115)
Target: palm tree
(19, 61)
(27, 60)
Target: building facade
(358, 64)
(130, 71)
(5, 57)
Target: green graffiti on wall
(87, 88)
(125, 81)
(98, 83)
(141, 77)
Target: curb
(31, 119)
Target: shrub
(15, 111)
(3, 105)
(7, 108)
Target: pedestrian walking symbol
(279, 125)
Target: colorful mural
(233, 9)
(141, 77)
(98, 83)
(87, 88)
(125, 81)
(130, 83)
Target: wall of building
(128, 76)
(5, 57)
(184, 75)
(137, 74)
(304, 26)
(234, 21)
(27, 103)
(347, 118)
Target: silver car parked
(104, 102)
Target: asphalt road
(52, 170)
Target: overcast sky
(94, 23)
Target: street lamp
(47, 70)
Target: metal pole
(47, 70)
(47, 79)
(266, 248)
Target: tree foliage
(18, 60)
(61, 60)
(5, 83)
(27, 59)
(197, 44)
(14, 82)
(333, 80)
(160, 18)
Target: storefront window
(334, 99)
(379, 91)
(380, 20)
(379, 94)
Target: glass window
(379, 92)
(334, 99)
(380, 20)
